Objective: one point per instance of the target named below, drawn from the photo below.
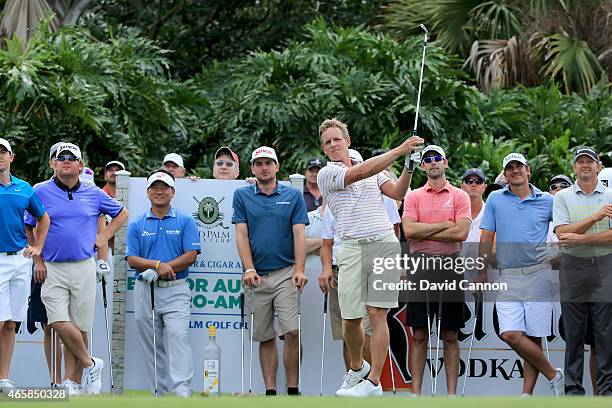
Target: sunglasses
(558, 186)
(228, 163)
(430, 159)
(69, 158)
(473, 181)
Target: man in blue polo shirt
(16, 196)
(516, 218)
(161, 244)
(271, 221)
(69, 289)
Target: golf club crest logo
(208, 213)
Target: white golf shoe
(352, 378)
(365, 388)
(72, 387)
(92, 377)
(557, 384)
(6, 385)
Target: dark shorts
(453, 315)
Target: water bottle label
(211, 377)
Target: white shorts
(15, 276)
(528, 306)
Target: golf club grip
(104, 292)
(325, 303)
(242, 306)
(152, 296)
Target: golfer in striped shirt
(354, 194)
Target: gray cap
(474, 172)
(561, 177)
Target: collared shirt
(312, 203)
(573, 205)
(427, 205)
(163, 239)
(358, 208)
(313, 231)
(74, 219)
(474, 234)
(329, 231)
(15, 198)
(520, 226)
(270, 220)
(107, 190)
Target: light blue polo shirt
(520, 226)
(270, 220)
(16, 198)
(164, 239)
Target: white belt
(13, 252)
(528, 270)
(167, 283)
(366, 240)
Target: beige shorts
(358, 285)
(336, 317)
(275, 294)
(69, 292)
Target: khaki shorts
(69, 292)
(336, 318)
(275, 294)
(358, 285)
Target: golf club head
(424, 28)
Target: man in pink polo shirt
(436, 219)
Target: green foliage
(114, 99)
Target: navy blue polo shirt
(15, 198)
(270, 219)
(164, 239)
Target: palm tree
(21, 17)
(506, 42)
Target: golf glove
(150, 275)
(412, 160)
(547, 253)
(102, 270)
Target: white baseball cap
(72, 148)
(355, 156)
(6, 144)
(263, 152)
(517, 157)
(605, 176)
(434, 148)
(174, 158)
(160, 176)
(114, 163)
(53, 149)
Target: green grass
(139, 399)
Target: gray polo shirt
(573, 205)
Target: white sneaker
(92, 377)
(365, 388)
(525, 395)
(557, 384)
(352, 378)
(6, 385)
(72, 387)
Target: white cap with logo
(160, 176)
(174, 158)
(355, 156)
(517, 157)
(433, 148)
(53, 150)
(263, 152)
(6, 144)
(69, 147)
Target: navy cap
(315, 162)
(474, 172)
(588, 151)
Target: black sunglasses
(473, 181)
(558, 186)
(69, 158)
(431, 159)
(228, 163)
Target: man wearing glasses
(226, 165)
(69, 290)
(436, 219)
(474, 183)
